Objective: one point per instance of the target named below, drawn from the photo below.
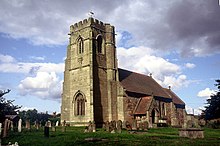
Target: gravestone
(64, 126)
(114, 124)
(46, 131)
(11, 125)
(37, 125)
(93, 126)
(64, 123)
(5, 130)
(0, 134)
(49, 123)
(145, 125)
(107, 126)
(28, 125)
(119, 126)
(140, 126)
(90, 127)
(128, 126)
(134, 124)
(19, 125)
(53, 128)
(124, 124)
(57, 123)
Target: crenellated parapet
(91, 22)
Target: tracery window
(80, 45)
(79, 105)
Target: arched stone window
(99, 43)
(80, 45)
(79, 105)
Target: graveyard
(67, 136)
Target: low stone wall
(191, 133)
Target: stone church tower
(91, 75)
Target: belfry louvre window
(80, 45)
(99, 44)
(79, 105)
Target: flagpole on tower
(91, 14)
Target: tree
(212, 110)
(6, 106)
(33, 116)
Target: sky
(178, 41)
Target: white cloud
(156, 24)
(6, 58)
(176, 81)
(190, 65)
(44, 85)
(144, 60)
(22, 67)
(37, 58)
(195, 111)
(207, 92)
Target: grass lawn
(76, 136)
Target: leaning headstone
(119, 126)
(90, 127)
(5, 130)
(93, 126)
(107, 126)
(19, 125)
(134, 124)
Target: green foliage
(33, 116)
(212, 111)
(7, 108)
(76, 136)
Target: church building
(95, 89)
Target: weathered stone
(53, 128)
(90, 128)
(119, 126)
(191, 133)
(5, 130)
(93, 126)
(107, 126)
(28, 125)
(46, 131)
(19, 125)
(57, 123)
(134, 124)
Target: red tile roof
(139, 83)
(143, 105)
(176, 99)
